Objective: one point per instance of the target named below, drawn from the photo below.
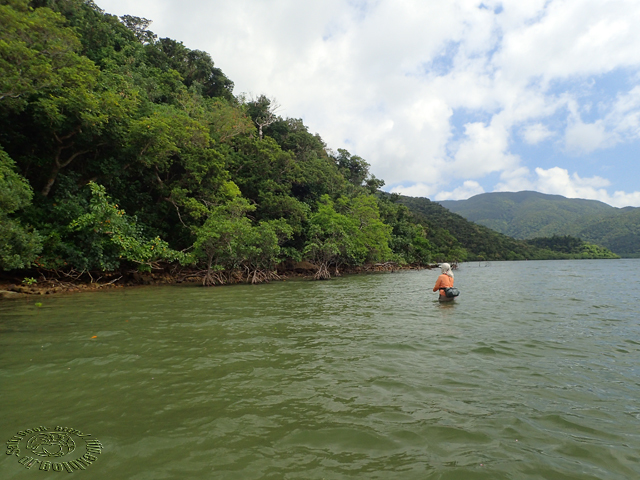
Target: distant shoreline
(11, 287)
(110, 280)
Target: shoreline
(12, 287)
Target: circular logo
(51, 444)
(57, 449)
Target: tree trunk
(59, 166)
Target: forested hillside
(526, 215)
(482, 243)
(120, 150)
(620, 233)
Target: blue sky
(444, 99)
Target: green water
(533, 373)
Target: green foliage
(451, 237)
(370, 236)
(354, 168)
(328, 236)
(159, 139)
(457, 239)
(570, 247)
(266, 176)
(620, 233)
(194, 66)
(112, 236)
(526, 215)
(317, 172)
(87, 98)
(37, 53)
(228, 241)
(105, 40)
(15, 192)
(348, 231)
(264, 244)
(221, 240)
(408, 240)
(19, 245)
(226, 120)
(138, 27)
(482, 243)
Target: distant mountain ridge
(461, 239)
(526, 215)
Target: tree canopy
(120, 150)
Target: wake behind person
(445, 281)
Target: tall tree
(263, 112)
(37, 53)
(19, 245)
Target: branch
(177, 210)
(9, 95)
(77, 130)
(158, 176)
(74, 156)
(58, 166)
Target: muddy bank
(50, 283)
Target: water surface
(532, 373)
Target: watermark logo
(57, 449)
(52, 444)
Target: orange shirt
(444, 281)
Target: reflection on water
(533, 372)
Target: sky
(444, 99)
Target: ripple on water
(360, 377)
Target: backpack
(451, 292)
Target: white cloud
(623, 199)
(417, 190)
(620, 124)
(557, 181)
(536, 133)
(386, 78)
(468, 189)
(624, 117)
(569, 38)
(484, 150)
(583, 137)
(553, 181)
(515, 181)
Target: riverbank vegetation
(526, 215)
(482, 243)
(124, 152)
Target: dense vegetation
(122, 150)
(527, 215)
(575, 247)
(482, 243)
(619, 233)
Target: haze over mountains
(526, 215)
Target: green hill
(527, 215)
(124, 152)
(620, 233)
(482, 243)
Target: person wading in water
(445, 280)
